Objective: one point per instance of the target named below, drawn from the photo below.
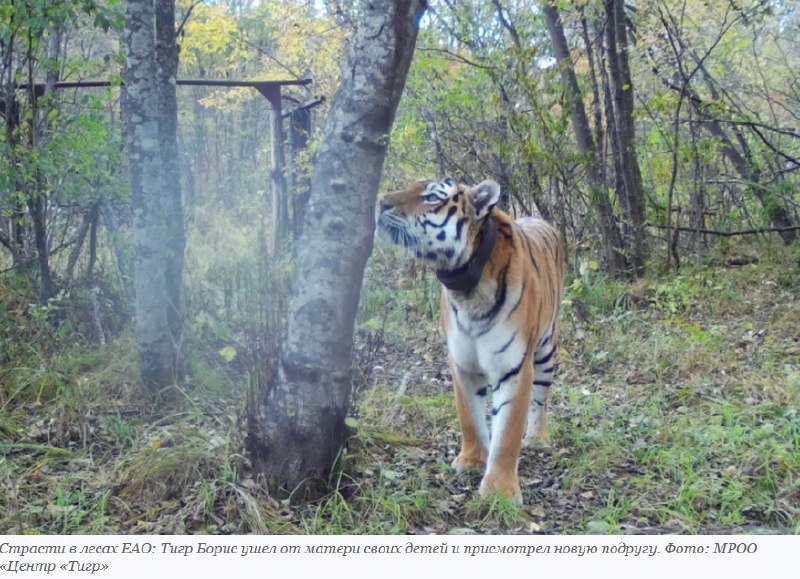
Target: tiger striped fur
(503, 284)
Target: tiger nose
(385, 206)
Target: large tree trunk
(151, 304)
(297, 434)
(167, 59)
(612, 240)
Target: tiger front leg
(470, 395)
(542, 381)
(510, 401)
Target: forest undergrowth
(676, 409)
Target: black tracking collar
(468, 275)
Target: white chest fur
(484, 349)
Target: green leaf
(228, 353)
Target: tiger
(502, 285)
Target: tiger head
(439, 222)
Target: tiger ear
(483, 197)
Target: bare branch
(186, 16)
(732, 233)
(453, 56)
(242, 38)
(501, 16)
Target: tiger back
(502, 287)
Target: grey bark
(597, 109)
(167, 60)
(612, 240)
(299, 431)
(37, 208)
(72, 261)
(624, 131)
(151, 305)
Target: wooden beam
(305, 106)
(262, 86)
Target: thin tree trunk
(76, 251)
(742, 161)
(300, 134)
(597, 109)
(298, 432)
(749, 172)
(94, 217)
(37, 208)
(672, 182)
(697, 202)
(612, 241)
(617, 52)
(36, 196)
(125, 272)
(280, 197)
(613, 133)
(16, 239)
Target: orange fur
(501, 330)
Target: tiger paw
(498, 485)
(464, 462)
(537, 439)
